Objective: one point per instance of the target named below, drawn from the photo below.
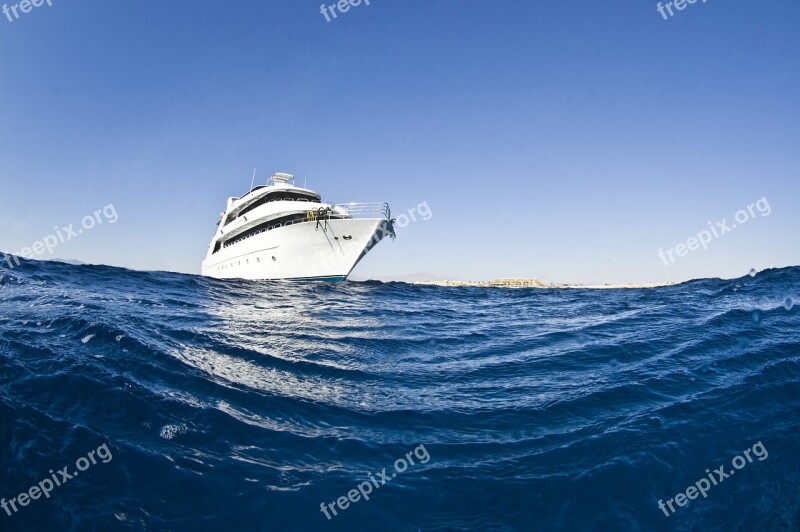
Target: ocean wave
(245, 404)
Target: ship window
(274, 196)
(283, 221)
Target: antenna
(253, 180)
(305, 179)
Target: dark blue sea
(184, 403)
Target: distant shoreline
(537, 283)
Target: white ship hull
(326, 251)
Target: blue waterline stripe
(327, 278)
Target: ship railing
(363, 210)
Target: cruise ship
(281, 231)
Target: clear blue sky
(563, 140)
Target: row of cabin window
(269, 198)
(267, 226)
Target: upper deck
(277, 188)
